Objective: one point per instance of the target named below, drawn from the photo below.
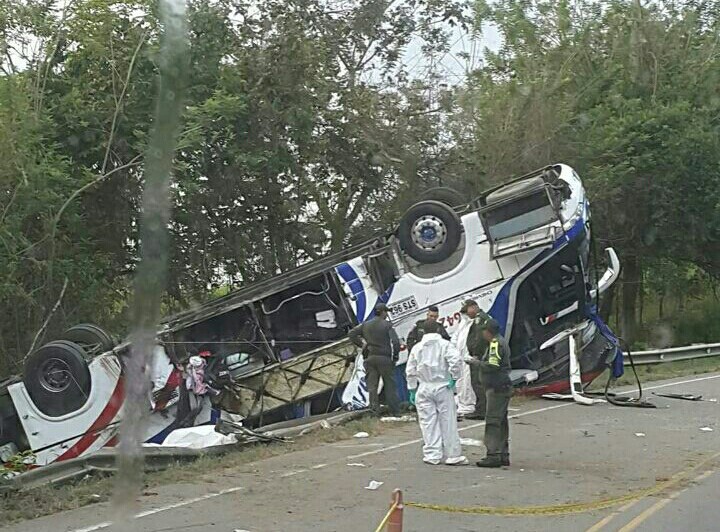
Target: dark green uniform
(381, 351)
(422, 327)
(477, 345)
(495, 374)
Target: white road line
(293, 473)
(538, 411)
(662, 503)
(676, 383)
(474, 426)
(107, 524)
(154, 511)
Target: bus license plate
(402, 307)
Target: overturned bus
(278, 349)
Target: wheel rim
(429, 232)
(55, 375)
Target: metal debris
(683, 396)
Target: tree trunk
(631, 286)
(641, 297)
(606, 304)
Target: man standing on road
(433, 368)
(495, 369)
(381, 348)
(476, 346)
(429, 325)
(465, 394)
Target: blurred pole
(151, 274)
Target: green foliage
(630, 96)
(18, 463)
(698, 325)
(303, 132)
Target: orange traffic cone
(395, 523)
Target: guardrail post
(395, 523)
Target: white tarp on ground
(355, 396)
(197, 438)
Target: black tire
(430, 232)
(448, 196)
(91, 338)
(57, 378)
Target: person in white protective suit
(433, 368)
(465, 398)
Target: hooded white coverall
(431, 364)
(465, 394)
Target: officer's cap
(381, 308)
(492, 325)
(467, 304)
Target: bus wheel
(430, 232)
(448, 196)
(57, 378)
(91, 338)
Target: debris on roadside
(706, 429)
(355, 464)
(401, 419)
(683, 396)
(374, 484)
(361, 435)
(247, 435)
(640, 434)
(199, 437)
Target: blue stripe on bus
(350, 276)
(500, 307)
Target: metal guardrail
(673, 354)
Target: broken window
(12, 433)
(382, 269)
(520, 216)
(548, 301)
(305, 316)
(234, 335)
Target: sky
(465, 54)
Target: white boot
(458, 460)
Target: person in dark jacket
(477, 345)
(381, 349)
(429, 325)
(495, 374)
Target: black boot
(490, 461)
(505, 460)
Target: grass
(49, 500)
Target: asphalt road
(656, 464)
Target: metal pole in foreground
(395, 523)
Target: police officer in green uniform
(495, 374)
(477, 345)
(381, 349)
(429, 325)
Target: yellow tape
(387, 517)
(565, 508)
